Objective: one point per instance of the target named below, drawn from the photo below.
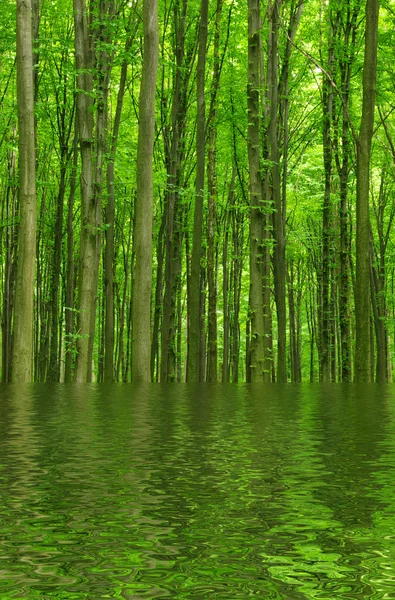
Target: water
(177, 491)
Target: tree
(345, 57)
(141, 326)
(256, 273)
(90, 211)
(194, 299)
(327, 212)
(256, 205)
(173, 129)
(362, 298)
(278, 208)
(23, 321)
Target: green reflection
(282, 492)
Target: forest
(197, 191)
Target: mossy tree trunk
(24, 289)
(362, 296)
(194, 369)
(256, 351)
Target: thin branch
(331, 81)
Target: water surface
(182, 491)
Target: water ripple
(281, 492)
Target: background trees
(255, 268)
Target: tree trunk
(110, 221)
(248, 352)
(173, 161)
(292, 321)
(278, 214)
(158, 302)
(54, 366)
(141, 317)
(228, 218)
(89, 238)
(24, 290)
(362, 297)
(212, 207)
(238, 238)
(327, 223)
(344, 282)
(379, 326)
(69, 295)
(211, 270)
(194, 300)
(345, 59)
(11, 247)
(256, 350)
(202, 326)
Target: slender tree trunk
(298, 357)
(371, 352)
(24, 290)
(65, 128)
(256, 350)
(158, 301)
(54, 366)
(212, 341)
(141, 316)
(228, 218)
(202, 326)
(332, 330)
(278, 214)
(238, 238)
(100, 337)
(69, 316)
(327, 222)
(282, 99)
(110, 221)
(211, 270)
(109, 275)
(362, 297)
(179, 331)
(345, 53)
(225, 292)
(176, 274)
(292, 321)
(11, 245)
(248, 377)
(172, 209)
(344, 283)
(194, 300)
(188, 276)
(89, 237)
(103, 62)
(121, 362)
(379, 326)
(377, 287)
(42, 305)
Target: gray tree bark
(141, 317)
(89, 210)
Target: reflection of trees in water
(352, 421)
(136, 490)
